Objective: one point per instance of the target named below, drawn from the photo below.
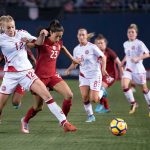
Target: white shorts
(12, 79)
(139, 78)
(94, 83)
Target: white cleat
(24, 126)
(133, 108)
(91, 118)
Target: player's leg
(39, 88)
(30, 81)
(146, 93)
(141, 80)
(103, 106)
(85, 91)
(87, 104)
(7, 87)
(126, 79)
(3, 101)
(62, 88)
(37, 106)
(133, 86)
(17, 96)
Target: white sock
(101, 93)
(129, 95)
(57, 111)
(147, 98)
(88, 108)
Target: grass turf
(45, 133)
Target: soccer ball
(118, 127)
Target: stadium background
(110, 18)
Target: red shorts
(20, 90)
(109, 80)
(51, 81)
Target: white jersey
(133, 49)
(89, 55)
(14, 51)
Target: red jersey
(111, 65)
(47, 55)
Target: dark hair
(101, 37)
(55, 26)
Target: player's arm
(120, 67)
(30, 54)
(41, 38)
(103, 59)
(70, 56)
(137, 59)
(123, 61)
(70, 68)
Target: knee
(69, 95)
(94, 98)
(85, 98)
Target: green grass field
(45, 133)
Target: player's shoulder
(109, 49)
(21, 31)
(139, 41)
(91, 44)
(125, 43)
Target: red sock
(102, 101)
(105, 103)
(66, 106)
(30, 114)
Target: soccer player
(18, 70)
(113, 62)
(90, 77)
(135, 51)
(45, 69)
(19, 91)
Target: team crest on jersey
(54, 47)
(87, 51)
(3, 88)
(133, 47)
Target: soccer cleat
(133, 108)
(104, 110)
(68, 127)
(98, 108)
(17, 106)
(24, 126)
(91, 118)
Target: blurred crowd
(72, 5)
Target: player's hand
(44, 32)
(135, 59)
(75, 61)
(104, 72)
(25, 40)
(67, 72)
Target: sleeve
(144, 48)
(97, 51)
(74, 53)
(28, 36)
(112, 54)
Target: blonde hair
(133, 26)
(89, 35)
(2, 19)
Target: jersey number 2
(19, 45)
